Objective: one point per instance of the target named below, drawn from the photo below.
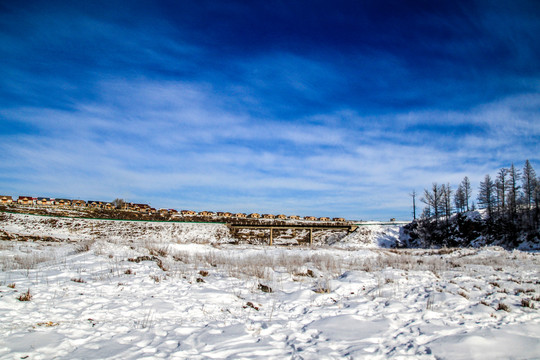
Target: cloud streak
(150, 108)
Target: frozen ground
(131, 297)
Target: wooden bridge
(308, 226)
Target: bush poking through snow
(149, 258)
(159, 251)
(47, 324)
(503, 306)
(129, 272)
(265, 288)
(203, 273)
(527, 303)
(11, 286)
(84, 246)
(78, 280)
(138, 259)
(250, 305)
(430, 300)
(322, 287)
(146, 322)
(26, 296)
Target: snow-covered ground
(76, 229)
(100, 294)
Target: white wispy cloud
(271, 131)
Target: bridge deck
(309, 226)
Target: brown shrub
(25, 296)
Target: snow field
(130, 295)
(204, 301)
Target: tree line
(511, 201)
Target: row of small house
(257, 216)
(45, 201)
(145, 208)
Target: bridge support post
(271, 236)
(310, 236)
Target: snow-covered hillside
(372, 236)
(76, 229)
(129, 295)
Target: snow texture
(175, 292)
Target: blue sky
(317, 108)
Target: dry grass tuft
(47, 324)
(159, 251)
(322, 287)
(430, 301)
(84, 246)
(250, 305)
(527, 303)
(26, 296)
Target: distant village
(144, 208)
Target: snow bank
(372, 236)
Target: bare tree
(537, 202)
(501, 185)
(529, 184)
(119, 203)
(446, 200)
(433, 199)
(413, 195)
(459, 199)
(486, 198)
(466, 191)
(513, 190)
